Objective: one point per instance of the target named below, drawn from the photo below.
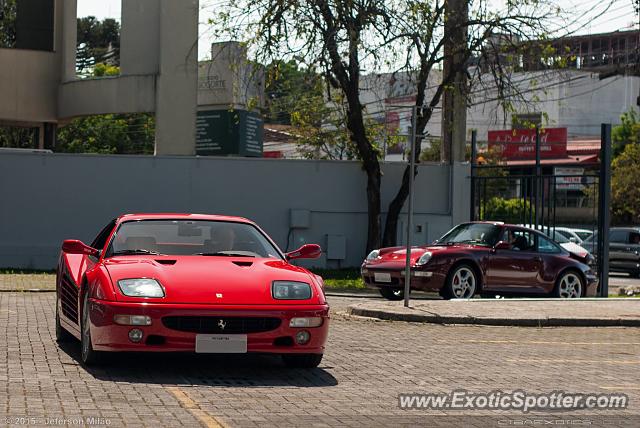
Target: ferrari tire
(392, 293)
(569, 286)
(302, 361)
(88, 356)
(461, 283)
(62, 335)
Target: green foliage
(286, 86)
(108, 134)
(8, 24)
(98, 42)
(507, 210)
(341, 278)
(627, 132)
(625, 192)
(102, 69)
(19, 138)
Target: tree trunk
(391, 224)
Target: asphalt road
(367, 365)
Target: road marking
(193, 408)
(544, 342)
(620, 387)
(554, 360)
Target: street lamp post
(412, 165)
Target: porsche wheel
(461, 283)
(62, 335)
(88, 355)
(302, 361)
(569, 286)
(392, 293)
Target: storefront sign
(520, 144)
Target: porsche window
(472, 233)
(547, 246)
(191, 237)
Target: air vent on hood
(241, 263)
(166, 262)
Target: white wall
(50, 197)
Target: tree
(98, 42)
(343, 39)
(108, 134)
(286, 84)
(627, 132)
(625, 193)
(8, 10)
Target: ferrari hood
(210, 279)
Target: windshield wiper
(472, 241)
(136, 251)
(224, 254)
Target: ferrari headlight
(290, 290)
(141, 287)
(424, 259)
(373, 255)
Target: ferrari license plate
(221, 343)
(382, 277)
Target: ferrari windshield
(472, 233)
(190, 237)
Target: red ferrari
(483, 258)
(189, 282)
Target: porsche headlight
(424, 259)
(141, 287)
(373, 255)
(290, 290)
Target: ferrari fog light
(302, 337)
(132, 319)
(135, 335)
(306, 322)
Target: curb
(513, 322)
(28, 290)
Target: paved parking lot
(367, 364)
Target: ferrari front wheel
(302, 361)
(88, 355)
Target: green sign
(225, 132)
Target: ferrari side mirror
(307, 251)
(74, 246)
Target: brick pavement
(367, 364)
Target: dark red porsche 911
(188, 282)
(483, 258)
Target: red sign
(515, 144)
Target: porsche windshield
(472, 233)
(190, 237)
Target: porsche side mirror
(74, 246)
(502, 245)
(307, 251)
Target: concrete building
(158, 60)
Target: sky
(594, 16)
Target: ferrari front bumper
(157, 337)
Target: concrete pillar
(177, 82)
(67, 37)
(139, 37)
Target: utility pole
(412, 166)
(454, 103)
